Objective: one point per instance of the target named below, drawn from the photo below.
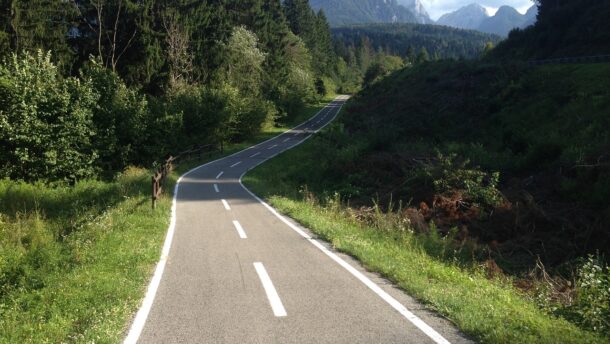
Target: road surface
(233, 271)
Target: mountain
(506, 19)
(418, 10)
(475, 17)
(531, 15)
(467, 17)
(347, 12)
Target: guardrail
(566, 60)
(160, 176)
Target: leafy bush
(593, 301)
(121, 119)
(46, 121)
(480, 186)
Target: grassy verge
(75, 261)
(490, 310)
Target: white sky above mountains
(436, 8)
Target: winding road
(233, 270)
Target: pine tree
(300, 18)
(42, 24)
(423, 55)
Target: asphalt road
(235, 272)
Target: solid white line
(274, 298)
(235, 164)
(272, 147)
(220, 174)
(216, 188)
(255, 154)
(226, 204)
(240, 230)
(139, 321)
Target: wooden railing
(160, 176)
(565, 60)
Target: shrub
(593, 302)
(479, 185)
(120, 119)
(46, 121)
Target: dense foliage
(564, 29)
(89, 87)
(46, 122)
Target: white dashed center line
(235, 164)
(240, 230)
(220, 174)
(274, 298)
(216, 188)
(255, 154)
(226, 204)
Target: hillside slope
(533, 127)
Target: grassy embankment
(75, 261)
(548, 114)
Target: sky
(436, 8)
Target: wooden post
(154, 192)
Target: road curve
(235, 271)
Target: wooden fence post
(154, 192)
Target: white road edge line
(220, 174)
(235, 164)
(139, 320)
(274, 298)
(240, 230)
(216, 188)
(226, 204)
(255, 154)
(415, 320)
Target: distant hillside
(396, 39)
(347, 12)
(475, 17)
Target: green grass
(75, 261)
(491, 311)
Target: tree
(112, 24)
(46, 126)
(42, 25)
(242, 75)
(488, 47)
(300, 18)
(179, 56)
(423, 55)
